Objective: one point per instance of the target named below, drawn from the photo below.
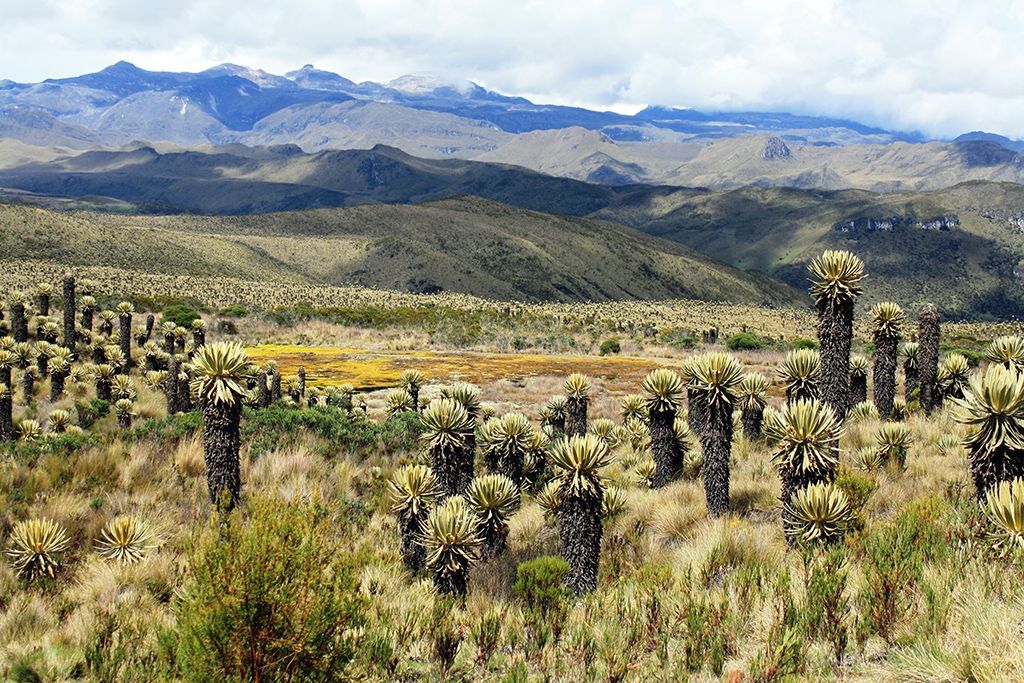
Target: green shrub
(892, 566)
(610, 346)
(235, 311)
(858, 487)
(540, 584)
(272, 594)
(928, 517)
(705, 619)
(805, 343)
(679, 339)
(181, 315)
(974, 356)
(828, 605)
(744, 341)
(271, 428)
(782, 658)
(169, 428)
(53, 444)
(91, 411)
(445, 636)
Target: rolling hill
(960, 247)
(764, 160)
(238, 179)
(462, 244)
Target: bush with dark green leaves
(679, 339)
(55, 444)
(744, 341)
(91, 411)
(271, 594)
(169, 428)
(858, 487)
(235, 311)
(181, 315)
(893, 565)
(610, 346)
(828, 607)
(805, 343)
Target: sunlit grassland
(462, 321)
(370, 369)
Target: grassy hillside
(459, 245)
(734, 162)
(240, 180)
(970, 269)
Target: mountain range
(427, 185)
(434, 118)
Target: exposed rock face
(1015, 219)
(864, 224)
(775, 148)
(944, 222)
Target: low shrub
(745, 341)
(61, 445)
(169, 428)
(235, 311)
(90, 411)
(893, 566)
(705, 619)
(828, 608)
(271, 594)
(540, 584)
(679, 339)
(181, 315)
(858, 487)
(610, 346)
(270, 428)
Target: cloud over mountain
(940, 67)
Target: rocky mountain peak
(775, 148)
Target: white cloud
(942, 66)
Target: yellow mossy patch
(365, 369)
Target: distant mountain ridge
(219, 92)
(431, 117)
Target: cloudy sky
(939, 66)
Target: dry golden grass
(652, 552)
(368, 369)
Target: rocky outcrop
(1015, 219)
(775, 148)
(945, 222)
(865, 224)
